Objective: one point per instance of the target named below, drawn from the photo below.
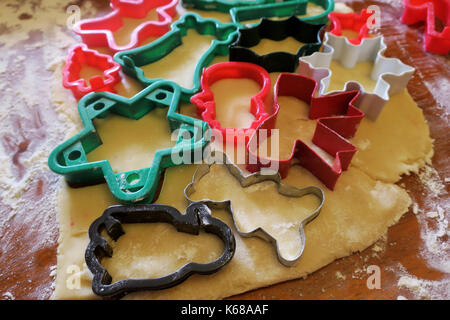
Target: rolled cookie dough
(357, 213)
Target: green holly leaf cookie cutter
(69, 158)
(132, 60)
(286, 9)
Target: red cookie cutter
(80, 55)
(206, 106)
(351, 21)
(337, 120)
(427, 11)
(98, 32)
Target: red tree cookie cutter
(427, 11)
(337, 120)
(206, 106)
(80, 55)
(98, 32)
(351, 21)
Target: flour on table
(38, 114)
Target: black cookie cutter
(277, 30)
(197, 217)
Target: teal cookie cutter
(280, 10)
(69, 158)
(132, 60)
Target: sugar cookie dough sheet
(358, 212)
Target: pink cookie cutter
(80, 55)
(98, 32)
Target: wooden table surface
(24, 271)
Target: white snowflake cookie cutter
(391, 75)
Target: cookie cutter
(206, 106)
(391, 74)
(277, 9)
(80, 55)
(351, 21)
(246, 181)
(132, 60)
(98, 32)
(306, 33)
(197, 218)
(427, 11)
(220, 5)
(69, 158)
(337, 120)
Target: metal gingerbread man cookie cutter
(391, 75)
(246, 181)
(69, 158)
(196, 218)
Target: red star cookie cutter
(80, 55)
(337, 120)
(427, 11)
(98, 32)
(351, 21)
(206, 106)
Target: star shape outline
(69, 158)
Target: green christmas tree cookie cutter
(70, 160)
(132, 60)
(279, 10)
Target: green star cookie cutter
(69, 158)
(279, 10)
(132, 60)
